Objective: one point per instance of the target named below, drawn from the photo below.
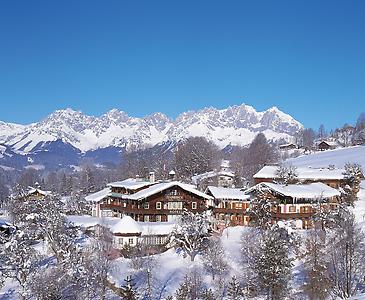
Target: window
(158, 218)
(106, 213)
(130, 241)
(158, 205)
(238, 205)
(193, 205)
(306, 209)
(174, 205)
(146, 218)
(120, 241)
(173, 192)
(146, 205)
(292, 209)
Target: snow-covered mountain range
(235, 125)
(74, 131)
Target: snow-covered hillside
(236, 125)
(337, 157)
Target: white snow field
(336, 157)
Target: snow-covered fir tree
(347, 256)
(191, 233)
(273, 263)
(234, 290)
(128, 291)
(214, 258)
(318, 282)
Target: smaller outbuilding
(327, 145)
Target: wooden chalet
(334, 178)
(147, 201)
(125, 232)
(327, 145)
(289, 146)
(122, 232)
(35, 194)
(296, 202)
(229, 206)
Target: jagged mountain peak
(116, 116)
(235, 125)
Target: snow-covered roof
(98, 196)
(159, 187)
(298, 191)
(304, 173)
(5, 223)
(126, 225)
(146, 192)
(329, 143)
(145, 228)
(227, 193)
(287, 145)
(130, 183)
(90, 221)
(32, 190)
(225, 163)
(210, 174)
(157, 228)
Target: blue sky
(306, 57)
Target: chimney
(172, 175)
(152, 177)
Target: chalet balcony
(229, 210)
(150, 211)
(300, 215)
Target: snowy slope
(337, 157)
(236, 125)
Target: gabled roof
(131, 183)
(287, 145)
(32, 190)
(126, 225)
(98, 196)
(227, 193)
(304, 173)
(329, 143)
(146, 192)
(313, 191)
(159, 187)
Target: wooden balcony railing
(149, 211)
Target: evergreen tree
(128, 290)
(316, 265)
(273, 264)
(214, 258)
(234, 290)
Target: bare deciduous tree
(194, 156)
